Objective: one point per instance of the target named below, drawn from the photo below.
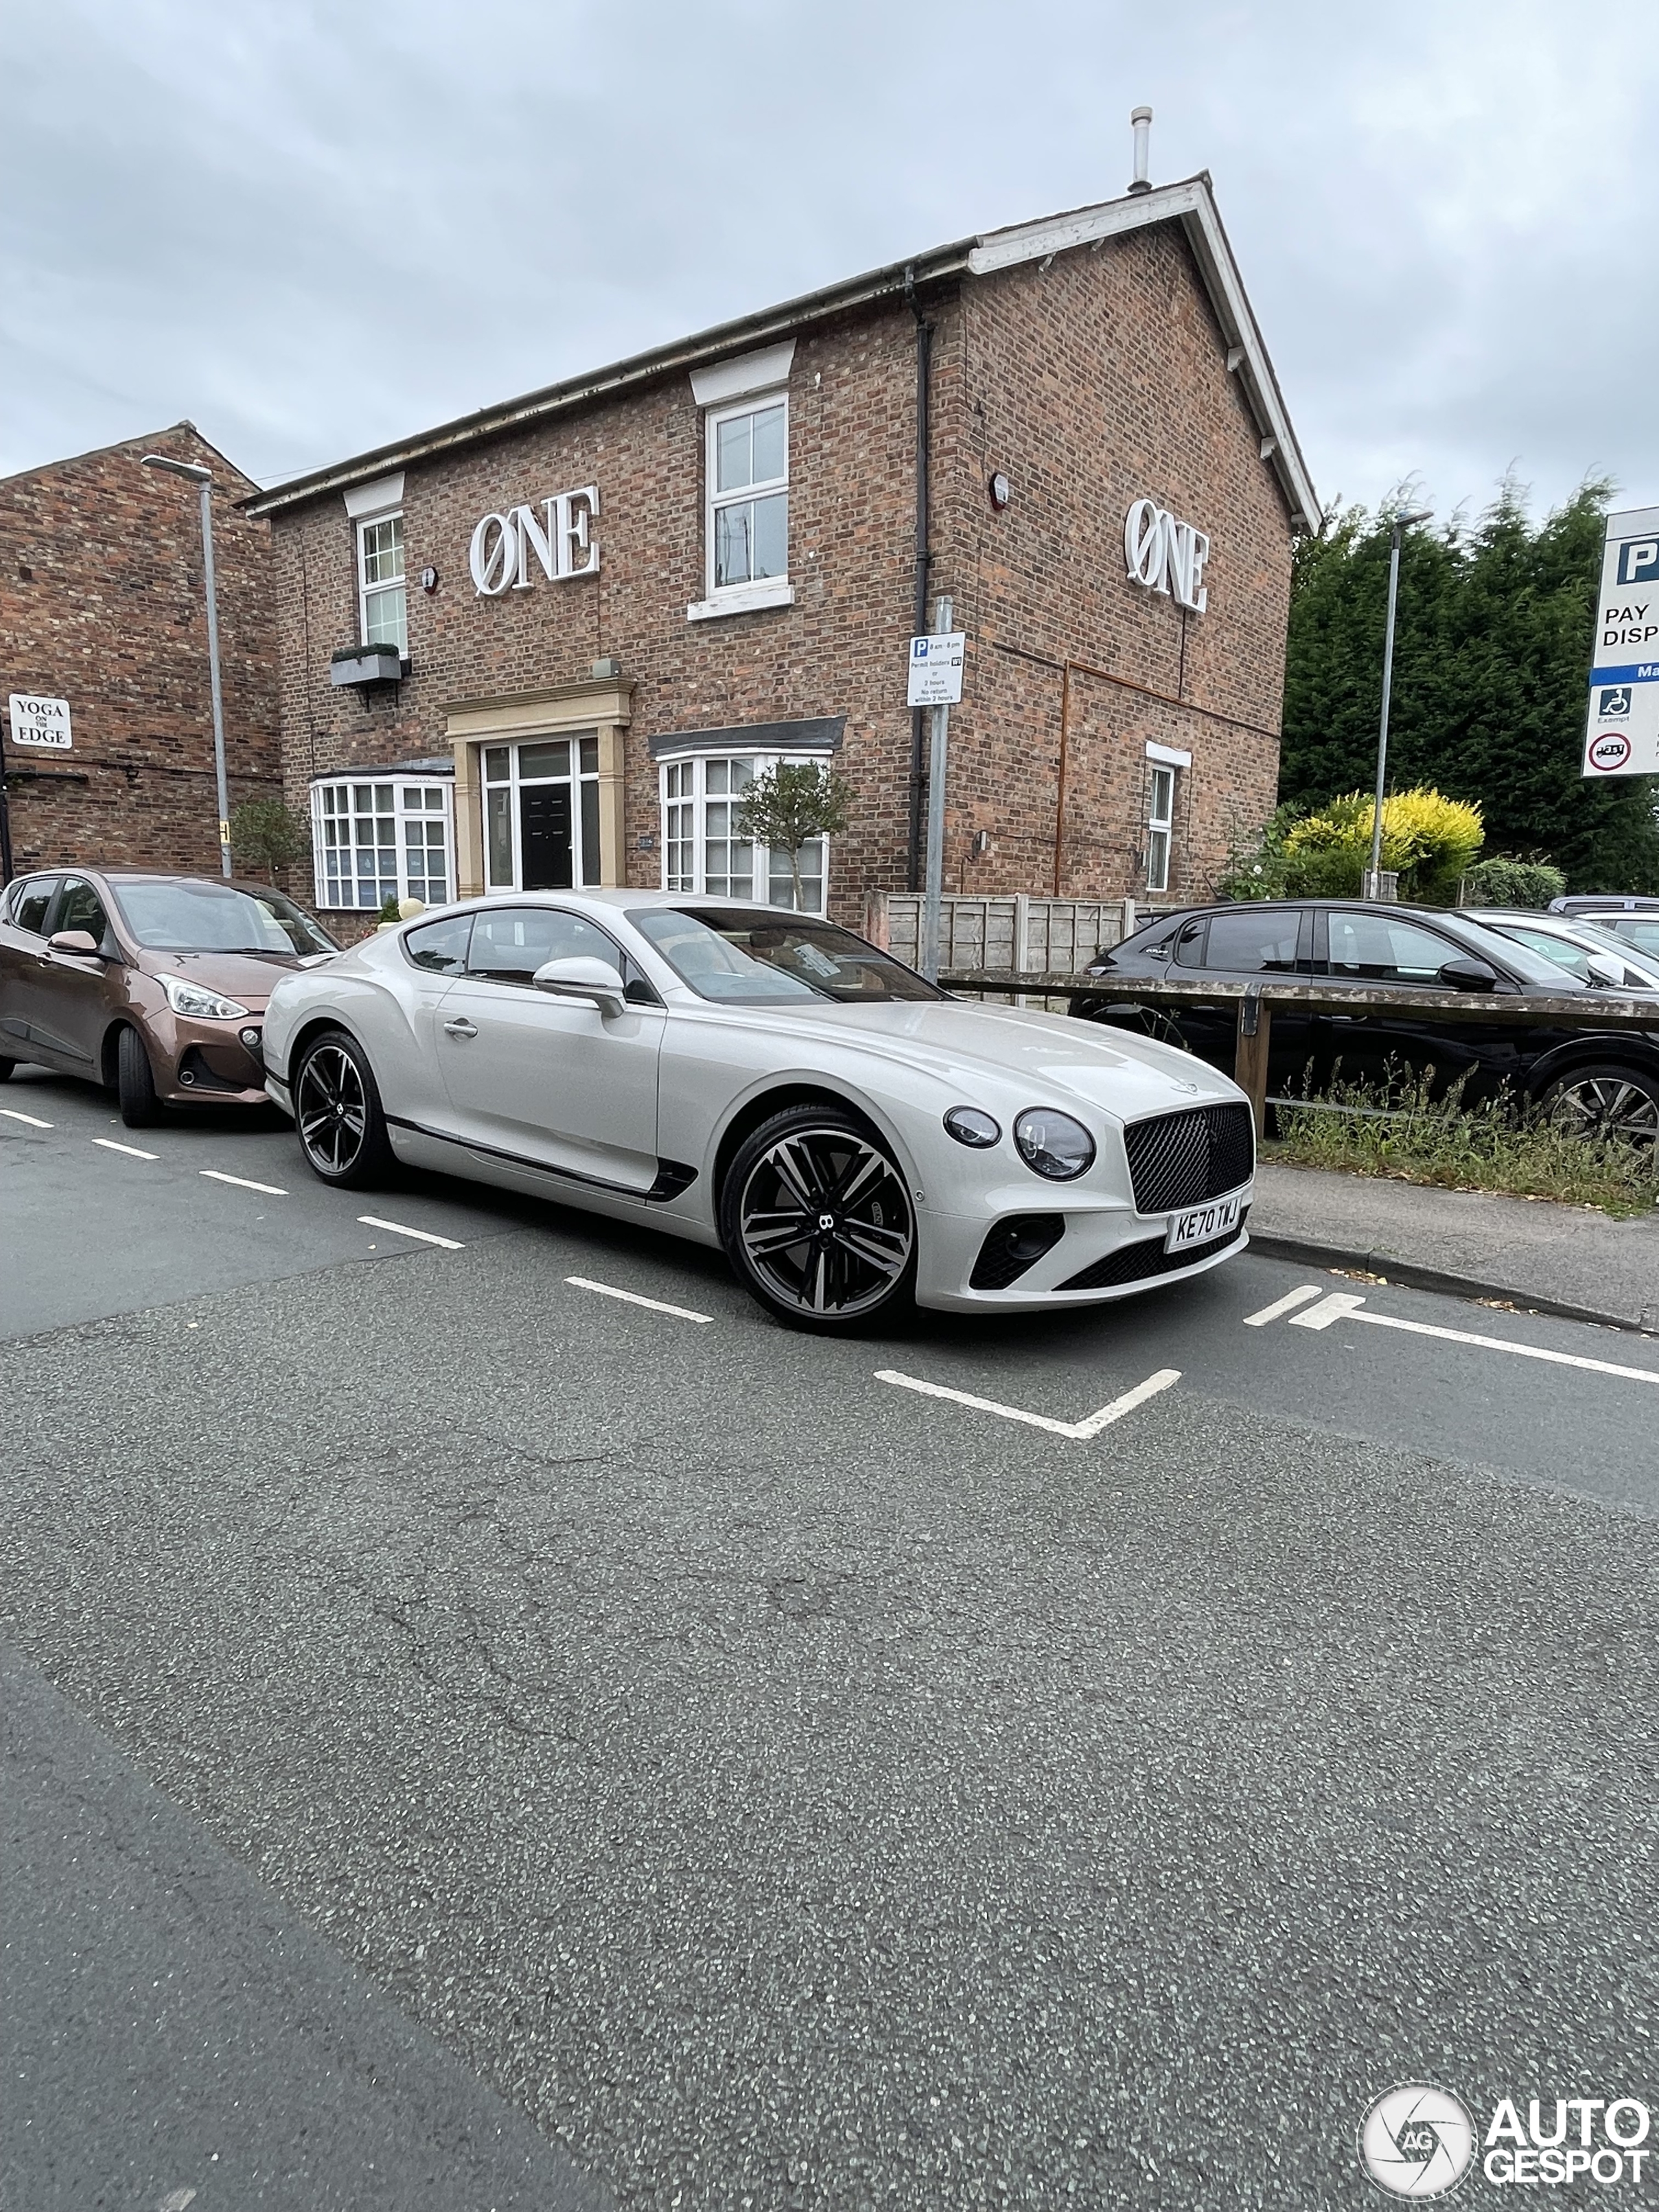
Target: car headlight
(199, 1004)
(1053, 1145)
(970, 1125)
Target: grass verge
(1399, 1130)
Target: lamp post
(202, 479)
(1373, 885)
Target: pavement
(781, 1787)
(1565, 1259)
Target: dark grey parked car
(1604, 1079)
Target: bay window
(703, 852)
(379, 838)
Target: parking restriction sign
(1621, 736)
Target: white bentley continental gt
(772, 1084)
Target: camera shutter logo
(1417, 2141)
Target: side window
(80, 907)
(1189, 945)
(439, 946)
(1252, 942)
(1372, 948)
(29, 902)
(509, 944)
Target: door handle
(459, 1028)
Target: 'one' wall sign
(504, 546)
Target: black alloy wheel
(1607, 1102)
(337, 1111)
(135, 1082)
(817, 1221)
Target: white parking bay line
(398, 1229)
(1344, 1305)
(1079, 1432)
(132, 1150)
(633, 1299)
(34, 1120)
(217, 1174)
(1288, 1304)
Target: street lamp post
(202, 479)
(1373, 885)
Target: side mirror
(1467, 974)
(1607, 971)
(79, 941)
(582, 976)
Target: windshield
(739, 956)
(176, 915)
(1531, 967)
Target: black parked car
(1605, 1079)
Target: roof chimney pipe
(1142, 119)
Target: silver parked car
(769, 1083)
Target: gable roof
(1190, 203)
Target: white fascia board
(750, 371)
(1168, 756)
(379, 497)
(1190, 204)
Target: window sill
(361, 665)
(743, 599)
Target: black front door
(544, 836)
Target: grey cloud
(314, 228)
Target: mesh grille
(1012, 1246)
(1138, 1263)
(1187, 1159)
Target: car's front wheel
(338, 1113)
(1607, 1102)
(817, 1222)
(135, 1082)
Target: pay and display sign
(1622, 735)
(936, 670)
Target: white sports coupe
(772, 1084)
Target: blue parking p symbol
(1639, 561)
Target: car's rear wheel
(1605, 1101)
(817, 1222)
(338, 1113)
(135, 1082)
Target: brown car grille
(1187, 1159)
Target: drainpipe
(918, 731)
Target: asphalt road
(783, 1786)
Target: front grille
(1012, 1246)
(1189, 1157)
(1139, 1263)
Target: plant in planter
(789, 805)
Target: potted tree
(788, 806)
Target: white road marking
(1288, 1304)
(34, 1120)
(1343, 1305)
(633, 1299)
(426, 1237)
(217, 1174)
(132, 1150)
(1079, 1432)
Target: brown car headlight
(1053, 1145)
(197, 1003)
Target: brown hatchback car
(153, 985)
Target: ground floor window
(385, 838)
(541, 803)
(1160, 828)
(701, 851)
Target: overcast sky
(313, 225)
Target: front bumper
(202, 1063)
(1093, 1239)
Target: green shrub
(1429, 840)
(1399, 1128)
(1512, 883)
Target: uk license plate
(1204, 1224)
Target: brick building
(102, 609)
(550, 642)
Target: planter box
(366, 663)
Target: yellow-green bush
(1428, 839)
